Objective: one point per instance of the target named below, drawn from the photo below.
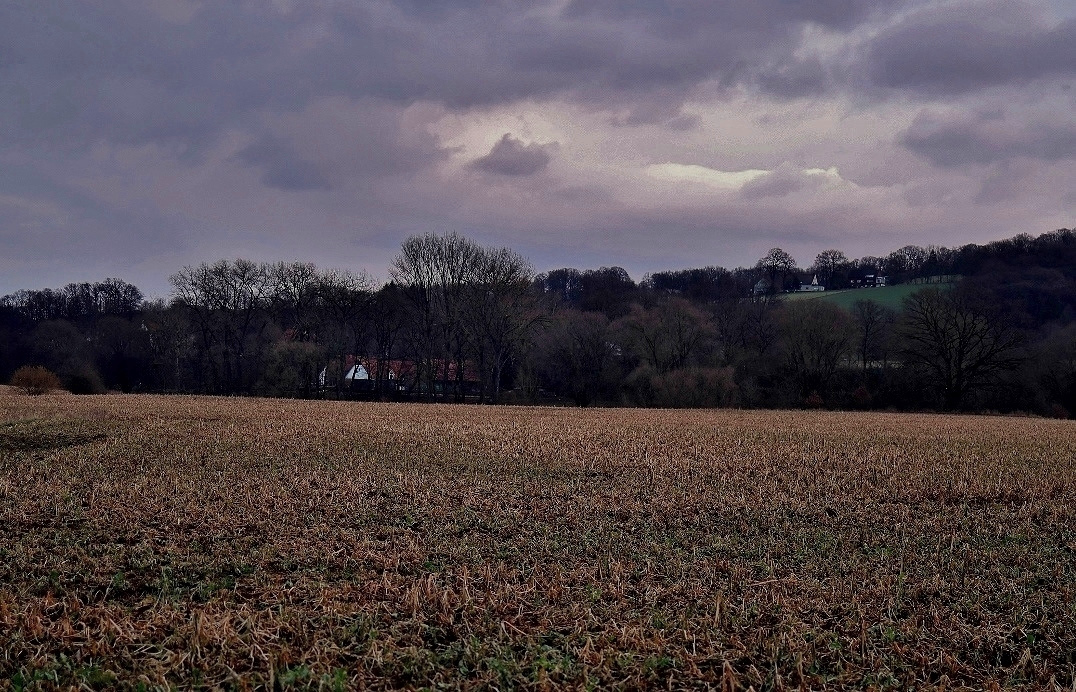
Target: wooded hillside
(979, 327)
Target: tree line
(992, 327)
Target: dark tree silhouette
(776, 267)
(873, 323)
(957, 342)
(816, 338)
(827, 264)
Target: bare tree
(760, 324)
(466, 301)
(776, 266)
(667, 336)
(817, 338)
(874, 323)
(344, 321)
(227, 302)
(387, 313)
(293, 298)
(577, 357)
(415, 270)
(908, 259)
(502, 313)
(827, 263)
(171, 342)
(434, 271)
(957, 342)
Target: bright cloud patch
(726, 180)
(830, 172)
(787, 179)
(753, 182)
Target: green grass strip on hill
(886, 296)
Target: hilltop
(886, 296)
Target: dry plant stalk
(180, 541)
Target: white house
(357, 372)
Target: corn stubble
(177, 541)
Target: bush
(85, 380)
(292, 370)
(683, 388)
(34, 379)
(862, 397)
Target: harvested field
(179, 541)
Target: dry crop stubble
(186, 540)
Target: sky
(141, 136)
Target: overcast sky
(139, 136)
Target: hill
(887, 296)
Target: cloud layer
(139, 136)
(510, 156)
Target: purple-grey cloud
(161, 132)
(337, 142)
(795, 78)
(959, 140)
(283, 167)
(679, 19)
(662, 107)
(511, 157)
(961, 46)
(779, 183)
(78, 72)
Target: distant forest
(992, 328)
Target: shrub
(292, 369)
(691, 387)
(34, 379)
(862, 397)
(85, 380)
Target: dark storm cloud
(684, 18)
(795, 78)
(512, 157)
(53, 233)
(638, 46)
(283, 168)
(152, 124)
(83, 73)
(663, 107)
(958, 47)
(334, 141)
(985, 138)
(76, 72)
